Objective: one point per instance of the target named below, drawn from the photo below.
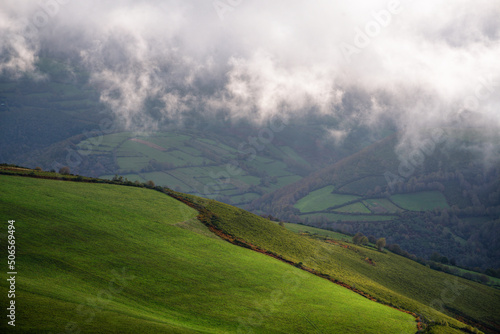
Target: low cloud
(17, 53)
(425, 65)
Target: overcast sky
(416, 63)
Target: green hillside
(316, 231)
(390, 278)
(114, 259)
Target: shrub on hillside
(64, 170)
(380, 243)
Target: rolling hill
(176, 275)
(107, 258)
(334, 168)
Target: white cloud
(275, 58)
(17, 53)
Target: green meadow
(347, 218)
(115, 259)
(390, 278)
(298, 228)
(322, 199)
(421, 201)
(358, 207)
(381, 205)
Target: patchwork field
(381, 205)
(318, 204)
(211, 167)
(420, 201)
(335, 217)
(358, 207)
(322, 199)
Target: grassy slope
(75, 239)
(348, 218)
(298, 228)
(393, 279)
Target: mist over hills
(153, 61)
(336, 79)
(378, 118)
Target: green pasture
(421, 201)
(388, 277)
(381, 205)
(322, 199)
(334, 217)
(116, 259)
(357, 207)
(298, 228)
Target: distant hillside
(449, 203)
(35, 114)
